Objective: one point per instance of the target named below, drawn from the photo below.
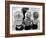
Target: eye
(35, 15)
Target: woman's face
(18, 17)
(35, 15)
(28, 20)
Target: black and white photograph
(26, 18)
(22, 19)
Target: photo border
(7, 18)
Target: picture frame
(8, 22)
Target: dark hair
(24, 10)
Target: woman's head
(18, 16)
(35, 15)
